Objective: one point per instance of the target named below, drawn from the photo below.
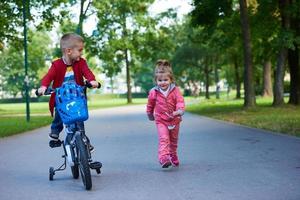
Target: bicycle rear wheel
(84, 167)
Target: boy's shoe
(165, 163)
(174, 160)
(53, 136)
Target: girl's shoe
(165, 163)
(174, 160)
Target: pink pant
(167, 140)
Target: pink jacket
(162, 107)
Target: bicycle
(76, 145)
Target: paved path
(219, 161)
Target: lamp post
(26, 80)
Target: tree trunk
(82, 16)
(127, 63)
(195, 91)
(217, 79)
(249, 99)
(293, 60)
(279, 74)
(129, 95)
(206, 71)
(267, 82)
(237, 79)
(112, 84)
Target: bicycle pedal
(53, 143)
(95, 165)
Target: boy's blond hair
(70, 40)
(163, 67)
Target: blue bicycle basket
(71, 103)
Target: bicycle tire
(75, 168)
(75, 171)
(84, 167)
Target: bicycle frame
(76, 149)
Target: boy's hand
(94, 84)
(42, 90)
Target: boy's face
(75, 53)
(163, 81)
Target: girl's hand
(178, 112)
(150, 116)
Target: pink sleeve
(151, 101)
(179, 100)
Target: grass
(15, 125)
(13, 116)
(284, 119)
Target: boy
(70, 68)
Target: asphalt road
(219, 161)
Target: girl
(166, 106)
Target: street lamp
(26, 81)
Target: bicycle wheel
(84, 167)
(75, 170)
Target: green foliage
(128, 27)
(208, 12)
(11, 17)
(12, 63)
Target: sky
(183, 7)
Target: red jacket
(56, 74)
(162, 107)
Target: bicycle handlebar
(50, 90)
(89, 85)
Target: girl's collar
(171, 87)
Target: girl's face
(75, 53)
(163, 81)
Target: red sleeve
(151, 101)
(49, 77)
(87, 73)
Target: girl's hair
(70, 40)
(163, 67)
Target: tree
(294, 53)
(119, 27)
(11, 64)
(282, 54)
(209, 13)
(249, 100)
(11, 16)
(82, 15)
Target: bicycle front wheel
(84, 167)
